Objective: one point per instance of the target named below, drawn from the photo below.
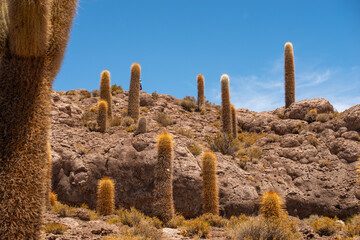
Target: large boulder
(298, 110)
(352, 118)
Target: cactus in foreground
(163, 189)
(234, 122)
(105, 91)
(210, 191)
(271, 205)
(48, 175)
(225, 103)
(289, 75)
(106, 197)
(102, 119)
(201, 90)
(134, 92)
(36, 35)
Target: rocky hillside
(307, 156)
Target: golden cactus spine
(201, 91)
(225, 103)
(36, 35)
(234, 122)
(106, 197)
(48, 175)
(134, 92)
(289, 75)
(105, 91)
(163, 189)
(210, 191)
(271, 205)
(102, 119)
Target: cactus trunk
(226, 106)
(289, 75)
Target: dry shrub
(255, 153)
(185, 132)
(189, 103)
(214, 220)
(154, 95)
(194, 148)
(176, 221)
(224, 143)
(124, 112)
(127, 121)
(217, 124)
(195, 227)
(55, 228)
(323, 117)
(311, 116)
(115, 121)
(63, 210)
(352, 228)
(325, 226)
(95, 93)
(133, 217)
(144, 109)
(313, 141)
(260, 228)
(130, 128)
(249, 138)
(163, 119)
(116, 89)
(271, 138)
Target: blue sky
(174, 40)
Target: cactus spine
(106, 197)
(36, 35)
(53, 198)
(271, 205)
(225, 102)
(163, 189)
(105, 91)
(102, 119)
(134, 92)
(234, 122)
(289, 75)
(201, 91)
(210, 192)
(48, 175)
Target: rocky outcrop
(298, 110)
(313, 170)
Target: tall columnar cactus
(163, 189)
(234, 122)
(106, 197)
(289, 75)
(271, 205)
(105, 91)
(225, 102)
(201, 91)
(48, 175)
(210, 191)
(35, 35)
(102, 119)
(134, 92)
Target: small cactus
(210, 192)
(201, 90)
(289, 75)
(102, 119)
(141, 126)
(134, 92)
(105, 91)
(234, 122)
(271, 205)
(163, 189)
(225, 102)
(106, 197)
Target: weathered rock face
(314, 171)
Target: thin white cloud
(310, 79)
